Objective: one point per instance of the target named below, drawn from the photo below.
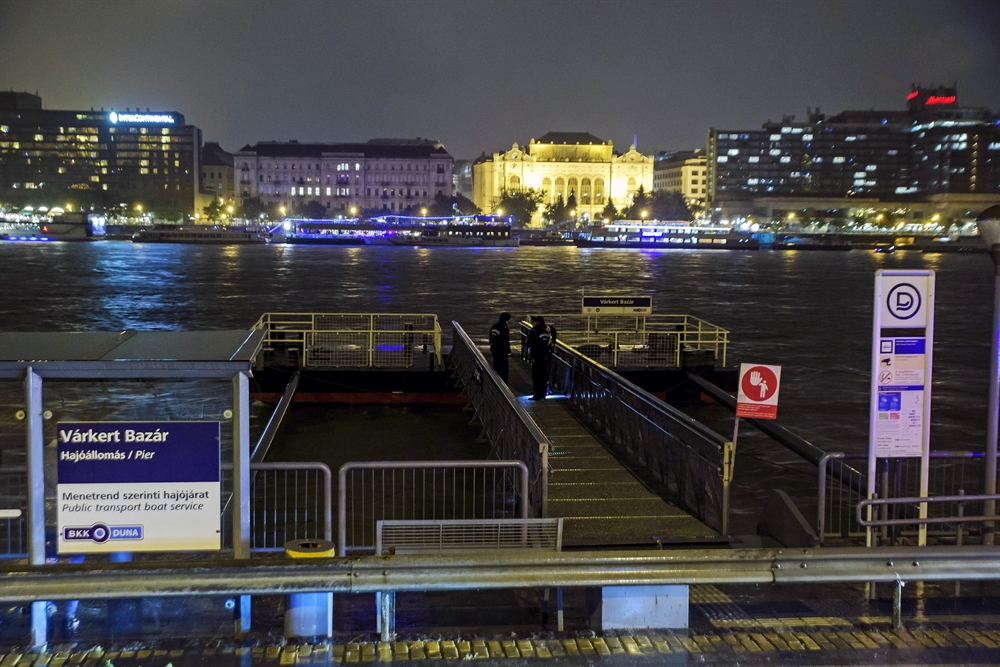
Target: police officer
(500, 347)
(541, 342)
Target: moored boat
(660, 235)
(206, 234)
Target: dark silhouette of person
(500, 347)
(541, 342)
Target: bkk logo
(101, 533)
(904, 301)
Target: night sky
(480, 75)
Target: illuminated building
(684, 172)
(140, 158)
(934, 148)
(385, 174)
(217, 179)
(561, 164)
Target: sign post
(902, 353)
(138, 486)
(757, 398)
(617, 305)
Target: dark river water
(810, 312)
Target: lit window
(838, 160)
(775, 137)
(328, 192)
(734, 151)
(753, 158)
(774, 151)
(786, 159)
(807, 137)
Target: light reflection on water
(807, 311)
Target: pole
(993, 405)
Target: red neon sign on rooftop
(912, 95)
(940, 99)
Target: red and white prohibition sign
(758, 391)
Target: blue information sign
(138, 486)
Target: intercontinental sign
(159, 118)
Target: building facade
(391, 175)
(218, 179)
(685, 172)
(561, 164)
(138, 158)
(934, 148)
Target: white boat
(200, 234)
(471, 235)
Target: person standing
(500, 347)
(541, 342)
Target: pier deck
(601, 502)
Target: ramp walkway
(600, 501)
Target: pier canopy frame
(35, 358)
(643, 341)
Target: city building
(393, 175)
(935, 157)
(147, 160)
(561, 164)
(217, 176)
(685, 172)
(462, 178)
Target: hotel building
(137, 158)
(934, 157)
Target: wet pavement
(729, 625)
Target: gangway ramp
(600, 501)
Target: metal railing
(512, 433)
(644, 341)
(960, 500)
(526, 568)
(435, 537)
(14, 497)
(372, 491)
(289, 501)
(692, 462)
(354, 340)
(838, 496)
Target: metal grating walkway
(600, 501)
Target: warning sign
(758, 391)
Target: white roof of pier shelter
(130, 354)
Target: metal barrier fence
(354, 340)
(512, 433)
(692, 462)
(436, 537)
(289, 501)
(644, 341)
(372, 491)
(949, 472)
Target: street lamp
(989, 228)
(644, 214)
(423, 211)
(282, 209)
(354, 211)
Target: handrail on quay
(513, 434)
(692, 461)
(353, 340)
(492, 570)
(654, 341)
(920, 500)
(950, 472)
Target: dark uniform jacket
(541, 341)
(500, 340)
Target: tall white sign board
(902, 353)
